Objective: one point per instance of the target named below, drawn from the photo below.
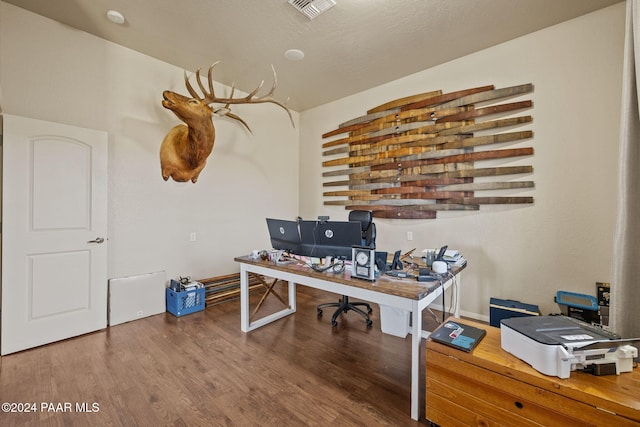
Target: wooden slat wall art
(415, 156)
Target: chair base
(343, 306)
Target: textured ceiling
(356, 45)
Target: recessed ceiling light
(294, 54)
(115, 17)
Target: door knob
(97, 240)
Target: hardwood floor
(200, 369)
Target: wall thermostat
(363, 263)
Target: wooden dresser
(490, 387)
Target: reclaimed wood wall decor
(415, 156)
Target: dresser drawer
(489, 387)
(493, 396)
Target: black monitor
(329, 238)
(284, 234)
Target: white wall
(526, 252)
(49, 71)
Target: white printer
(557, 345)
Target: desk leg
(458, 286)
(416, 341)
(292, 296)
(246, 324)
(244, 298)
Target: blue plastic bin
(187, 302)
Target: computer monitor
(329, 238)
(308, 231)
(284, 234)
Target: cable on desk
(453, 292)
(443, 279)
(444, 306)
(336, 266)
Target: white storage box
(394, 321)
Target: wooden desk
(492, 387)
(404, 294)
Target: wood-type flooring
(202, 370)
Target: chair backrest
(367, 226)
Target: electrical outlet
(139, 313)
(192, 236)
(409, 235)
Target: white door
(54, 232)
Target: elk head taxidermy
(185, 149)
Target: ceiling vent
(312, 8)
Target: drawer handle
(519, 405)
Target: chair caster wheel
(319, 312)
(334, 323)
(369, 323)
(369, 310)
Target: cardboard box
(604, 292)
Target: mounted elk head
(185, 149)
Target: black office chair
(368, 239)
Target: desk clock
(364, 266)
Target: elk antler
(185, 149)
(251, 98)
